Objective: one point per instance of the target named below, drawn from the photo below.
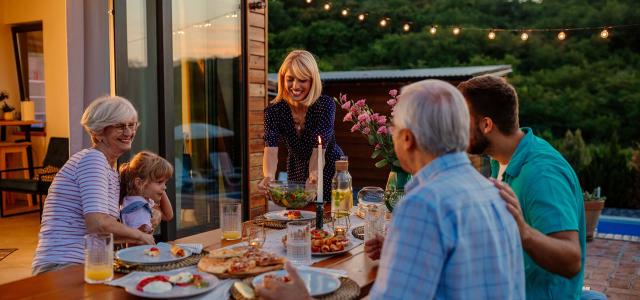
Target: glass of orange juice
(231, 220)
(98, 257)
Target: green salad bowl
(290, 194)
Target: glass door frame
(166, 118)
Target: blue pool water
(619, 225)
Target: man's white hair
(437, 115)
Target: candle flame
(319, 140)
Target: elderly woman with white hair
(84, 195)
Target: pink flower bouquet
(375, 126)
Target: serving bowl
(291, 194)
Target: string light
(524, 36)
(562, 35)
(309, 1)
(406, 27)
(361, 17)
(491, 35)
(433, 30)
(345, 12)
(327, 6)
(604, 33)
(456, 30)
(383, 22)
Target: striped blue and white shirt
(451, 237)
(85, 184)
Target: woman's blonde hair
(106, 111)
(147, 166)
(303, 66)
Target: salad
(289, 196)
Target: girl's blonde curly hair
(146, 166)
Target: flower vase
(395, 187)
(8, 116)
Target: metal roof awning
(411, 74)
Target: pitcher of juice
(98, 257)
(341, 190)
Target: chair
(221, 165)
(56, 156)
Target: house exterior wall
(256, 30)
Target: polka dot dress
(279, 126)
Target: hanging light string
(492, 33)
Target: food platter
(139, 255)
(240, 262)
(317, 283)
(205, 283)
(283, 215)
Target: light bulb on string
(361, 17)
(327, 6)
(604, 33)
(491, 35)
(406, 27)
(309, 1)
(383, 22)
(524, 36)
(562, 36)
(456, 30)
(433, 30)
(345, 12)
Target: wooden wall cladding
(257, 99)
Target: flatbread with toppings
(250, 263)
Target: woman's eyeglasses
(123, 126)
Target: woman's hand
(263, 185)
(278, 290)
(146, 239)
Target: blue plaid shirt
(451, 238)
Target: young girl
(142, 189)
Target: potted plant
(7, 111)
(593, 205)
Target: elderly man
(452, 236)
(550, 212)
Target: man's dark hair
(491, 96)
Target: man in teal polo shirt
(549, 207)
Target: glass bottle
(341, 190)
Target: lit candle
(254, 244)
(340, 231)
(320, 168)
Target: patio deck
(613, 267)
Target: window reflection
(207, 73)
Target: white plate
(135, 255)
(279, 215)
(177, 291)
(347, 248)
(317, 283)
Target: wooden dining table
(69, 283)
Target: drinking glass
(98, 257)
(374, 221)
(369, 195)
(231, 220)
(254, 234)
(299, 242)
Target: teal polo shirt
(551, 199)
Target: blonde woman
(297, 116)
(84, 195)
